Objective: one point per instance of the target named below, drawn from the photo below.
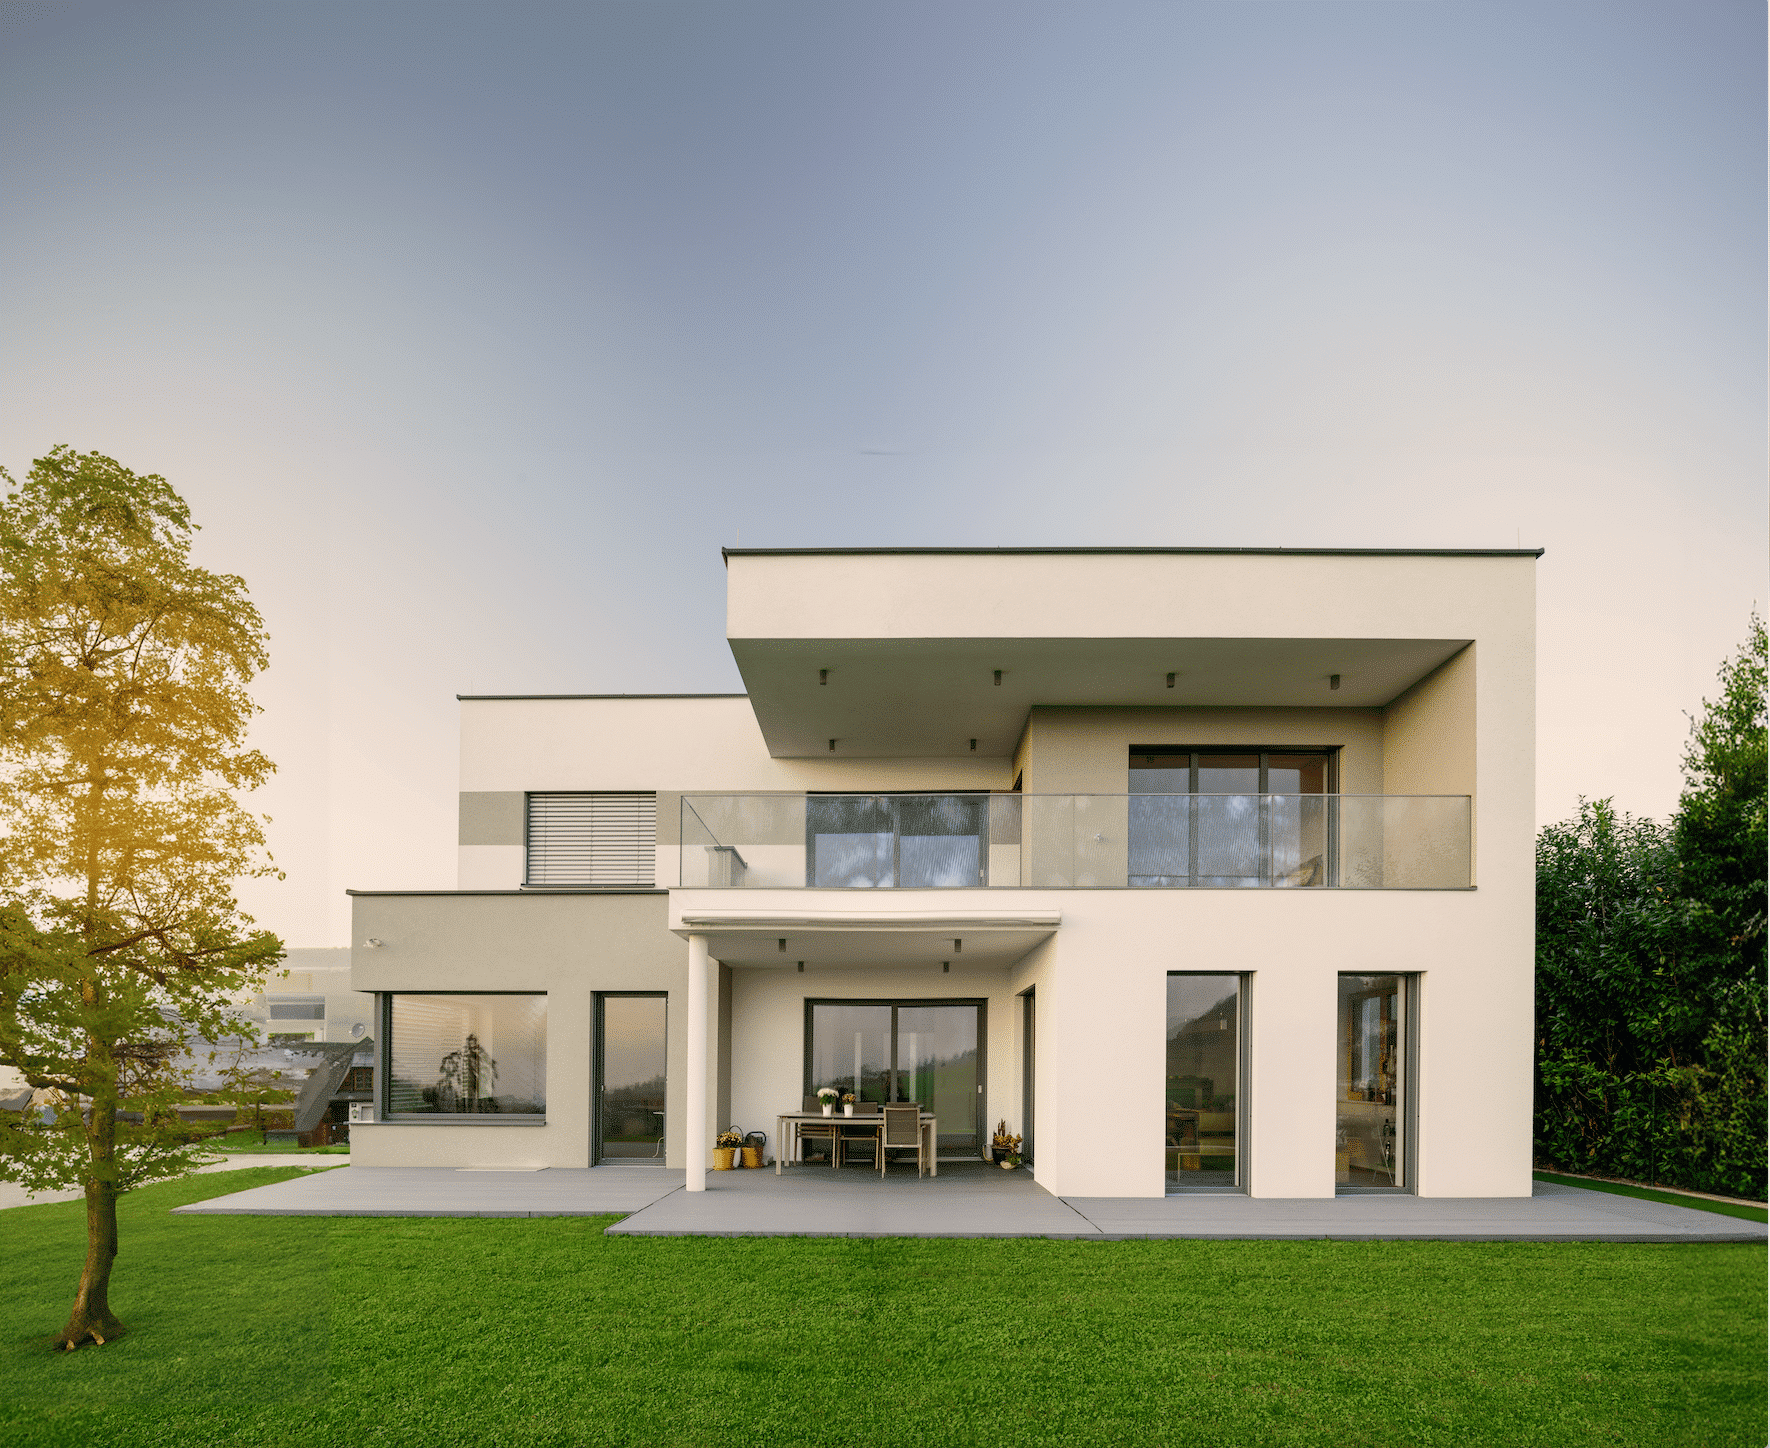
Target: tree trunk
(92, 1317)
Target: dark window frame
(599, 998)
(982, 1004)
(1244, 1074)
(1330, 754)
(891, 802)
(384, 1074)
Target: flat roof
(1285, 552)
(466, 697)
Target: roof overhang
(917, 652)
(932, 697)
(868, 938)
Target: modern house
(1206, 869)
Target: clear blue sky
(472, 331)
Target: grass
(244, 1144)
(1743, 1210)
(434, 1332)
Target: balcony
(1076, 841)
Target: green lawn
(395, 1331)
(242, 1143)
(1743, 1210)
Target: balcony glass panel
(1239, 840)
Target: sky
(472, 332)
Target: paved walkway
(966, 1200)
(13, 1195)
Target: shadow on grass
(219, 1311)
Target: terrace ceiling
(897, 697)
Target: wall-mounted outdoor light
(958, 945)
(372, 943)
(783, 945)
(832, 746)
(823, 676)
(998, 678)
(1170, 681)
(1333, 681)
(974, 746)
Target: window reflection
(1369, 1137)
(1203, 1064)
(1215, 818)
(467, 1055)
(908, 841)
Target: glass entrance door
(629, 1077)
(924, 1051)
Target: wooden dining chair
(850, 1134)
(902, 1132)
(823, 1130)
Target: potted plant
(1010, 1161)
(724, 1147)
(848, 1104)
(828, 1095)
(1004, 1144)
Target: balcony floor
(967, 1199)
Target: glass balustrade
(1070, 841)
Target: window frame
(384, 1074)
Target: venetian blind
(592, 839)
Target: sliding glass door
(882, 841)
(1208, 818)
(925, 1051)
(629, 1077)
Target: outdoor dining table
(786, 1134)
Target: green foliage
(1651, 967)
(124, 709)
(573, 1337)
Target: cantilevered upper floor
(1106, 718)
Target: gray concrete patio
(966, 1200)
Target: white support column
(700, 999)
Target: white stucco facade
(1022, 682)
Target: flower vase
(829, 1110)
(848, 1110)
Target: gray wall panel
(491, 818)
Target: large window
(478, 1056)
(1203, 1090)
(592, 839)
(908, 841)
(929, 1052)
(1205, 817)
(1371, 1097)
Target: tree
(1651, 967)
(123, 715)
